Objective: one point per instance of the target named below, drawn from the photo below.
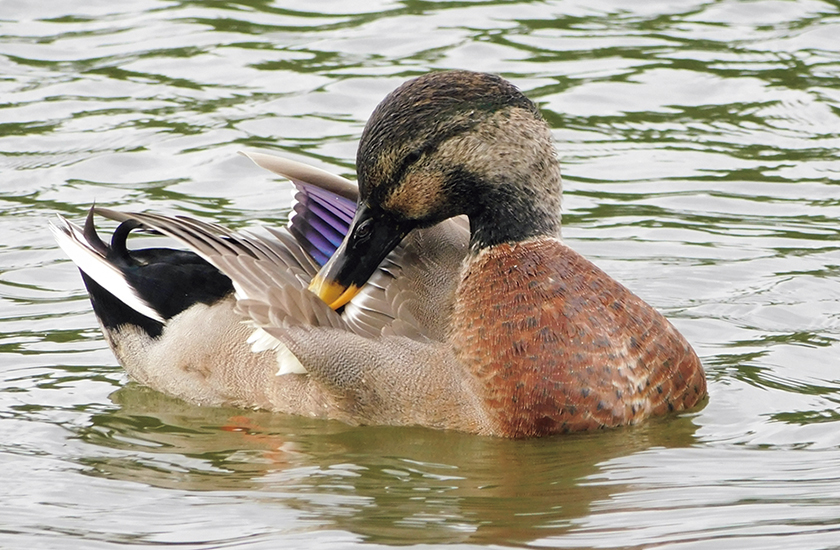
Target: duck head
(443, 145)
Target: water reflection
(390, 485)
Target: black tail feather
(169, 280)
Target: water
(700, 148)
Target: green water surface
(699, 142)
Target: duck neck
(512, 212)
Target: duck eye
(413, 157)
(362, 233)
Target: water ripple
(699, 142)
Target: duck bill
(360, 253)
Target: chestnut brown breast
(557, 345)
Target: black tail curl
(169, 280)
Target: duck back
(557, 345)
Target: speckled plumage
(559, 346)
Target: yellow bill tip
(332, 292)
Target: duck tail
(104, 277)
(145, 287)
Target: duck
(436, 292)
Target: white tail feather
(72, 241)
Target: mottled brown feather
(558, 346)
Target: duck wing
(271, 269)
(410, 295)
(323, 208)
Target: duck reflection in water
(390, 485)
